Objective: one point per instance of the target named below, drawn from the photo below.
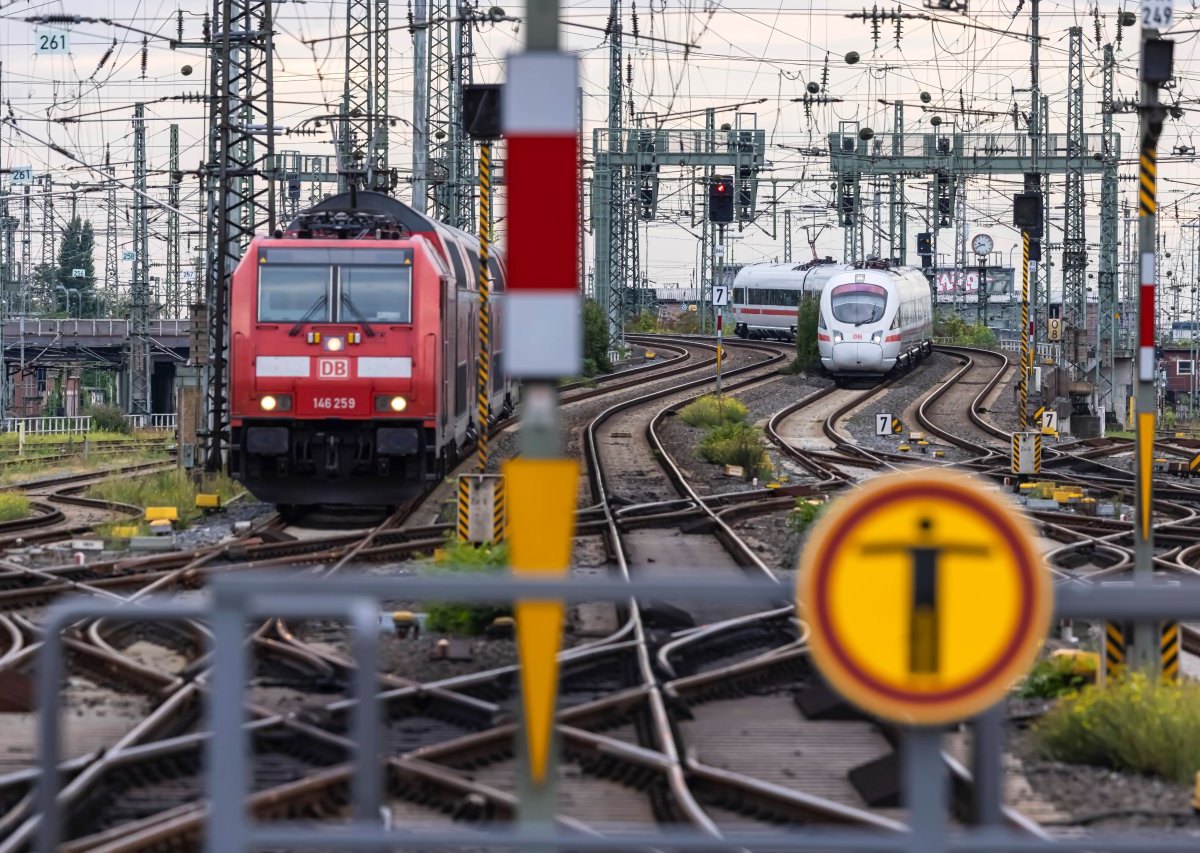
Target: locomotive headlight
(276, 403)
(391, 404)
(877, 338)
(333, 344)
(268, 403)
(837, 337)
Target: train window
(497, 274)
(460, 271)
(858, 303)
(376, 294)
(289, 293)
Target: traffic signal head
(720, 199)
(924, 243)
(1027, 210)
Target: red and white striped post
(543, 341)
(542, 338)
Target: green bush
(465, 620)
(13, 505)
(595, 339)
(804, 514)
(954, 328)
(711, 410)
(1130, 723)
(1056, 677)
(644, 323)
(108, 419)
(736, 444)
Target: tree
(809, 315)
(75, 251)
(595, 339)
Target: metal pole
(1023, 378)
(485, 307)
(720, 280)
(1145, 646)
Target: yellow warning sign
(925, 595)
(541, 496)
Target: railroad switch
(210, 503)
(406, 623)
(502, 628)
(162, 513)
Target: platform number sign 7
(720, 295)
(1158, 13)
(883, 423)
(52, 41)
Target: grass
(166, 488)
(38, 467)
(13, 505)
(712, 411)
(96, 437)
(736, 444)
(1132, 724)
(467, 620)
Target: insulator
(145, 56)
(634, 18)
(179, 24)
(206, 29)
(825, 73)
(107, 56)
(875, 25)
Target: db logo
(333, 368)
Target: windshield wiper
(362, 320)
(300, 323)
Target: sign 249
(339, 403)
(1158, 13)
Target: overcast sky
(741, 51)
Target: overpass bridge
(31, 344)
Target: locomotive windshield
(334, 293)
(377, 294)
(290, 293)
(858, 303)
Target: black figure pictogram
(923, 658)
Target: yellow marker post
(541, 497)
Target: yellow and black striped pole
(484, 386)
(1146, 639)
(1026, 355)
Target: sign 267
(334, 403)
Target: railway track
(653, 713)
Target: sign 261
(334, 403)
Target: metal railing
(236, 599)
(164, 422)
(74, 425)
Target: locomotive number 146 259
(334, 403)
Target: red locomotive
(353, 354)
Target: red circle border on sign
(1027, 573)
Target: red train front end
(335, 369)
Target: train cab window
(858, 303)
(289, 293)
(376, 294)
(497, 274)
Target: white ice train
(874, 318)
(766, 297)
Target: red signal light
(720, 188)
